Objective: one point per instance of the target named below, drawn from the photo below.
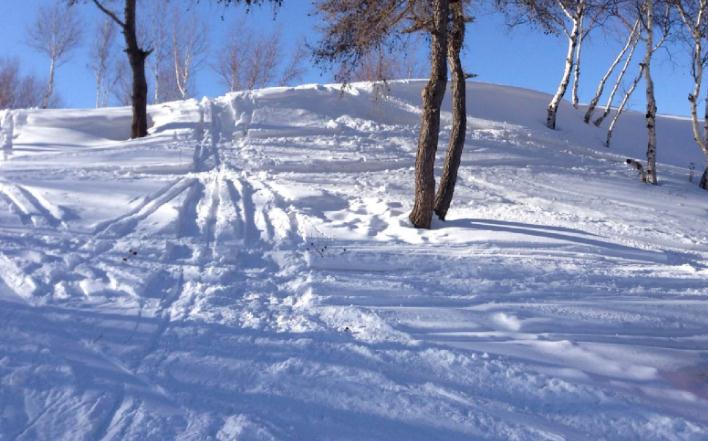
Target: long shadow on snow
(549, 232)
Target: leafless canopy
(55, 32)
(16, 90)
(252, 60)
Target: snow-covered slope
(254, 276)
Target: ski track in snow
(250, 274)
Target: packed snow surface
(248, 272)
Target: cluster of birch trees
(166, 44)
(647, 26)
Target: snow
(248, 272)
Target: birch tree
(582, 34)
(563, 17)
(157, 38)
(189, 49)
(618, 82)
(572, 18)
(251, 60)
(630, 42)
(55, 32)
(101, 59)
(650, 23)
(693, 17)
(620, 109)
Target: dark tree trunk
(422, 214)
(704, 179)
(136, 56)
(448, 179)
(139, 125)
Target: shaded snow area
(248, 272)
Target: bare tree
(650, 22)
(382, 65)
(136, 57)
(156, 36)
(630, 42)
(252, 60)
(189, 49)
(572, 18)
(294, 69)
(17, 90)
(260, 66)
(102, 59)
(121, 86)
(582, 34)
(556, 17)
(694, 16)
(620, 110)
(55, 32)
(377, 65)
(229, 64)
(611, 97)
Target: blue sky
(521, 57)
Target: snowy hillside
(255, 277)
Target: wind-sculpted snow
(248, 272)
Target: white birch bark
(621, 107)
(576, 68)
(50, 83)
(603, 81)
(189, 47)
(696, 28)
(615, 88)
(651, 102)
(573, 35)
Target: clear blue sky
(521, 57)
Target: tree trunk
(705, 127)
(704, 179)
(138, 127)
(615, 88)
(606, 77)
(697, 73)
(422, 213)
(565, 79)
(651, 102)
(575, 99)
(620, 109)
(156, 81)
(137, 57)
(50, 84)
(448, 179)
